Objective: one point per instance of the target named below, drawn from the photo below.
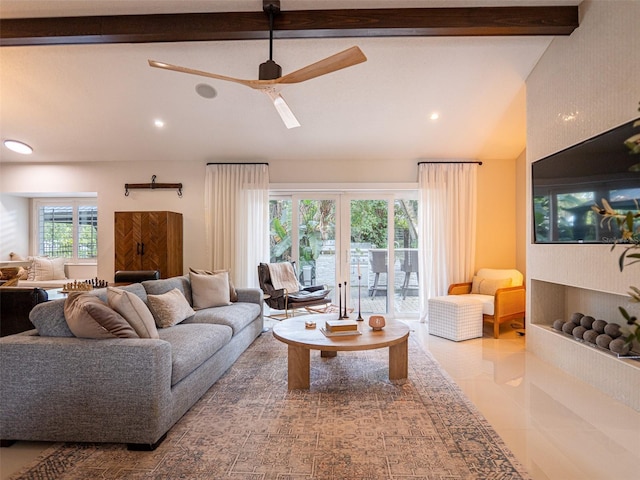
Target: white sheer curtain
(237, 219)
(447, 223)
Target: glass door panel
(317, 243)
(407, 285)
(368, 227)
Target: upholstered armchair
(501, 292)
(282, 291)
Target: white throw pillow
(47, 269)
(169, 308)
(134, 311)
(488, 286)
(210, 290)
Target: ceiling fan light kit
(270, 73)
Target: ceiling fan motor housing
(269, 70)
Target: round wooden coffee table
(302, 340)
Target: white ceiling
(98, 102)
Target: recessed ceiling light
(158, 123)
(434, 116)
(18, 147)
(206, 91)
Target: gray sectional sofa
(121, 390)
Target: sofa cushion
(158, 287)
(134, 310)
(488, 301)
(210, 290)
(237, 315)
(169, 308)
(233, 294)
(192, 345)
(89, 317)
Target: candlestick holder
(360, 319)
(339, 301)
(345, 303)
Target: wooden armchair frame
(509, 304)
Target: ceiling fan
(270, 78)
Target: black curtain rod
(238, 163)
(479, 163)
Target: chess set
(84, 285)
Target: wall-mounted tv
(567, 184)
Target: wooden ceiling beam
(189, 27)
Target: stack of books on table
(334, 328)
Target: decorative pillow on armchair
(488, 286)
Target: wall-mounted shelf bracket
(153, 186)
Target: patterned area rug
(352, 424)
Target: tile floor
(556, 425)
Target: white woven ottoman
(455, 317)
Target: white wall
(14, 225)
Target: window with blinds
(67, 229)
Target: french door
(362, 246)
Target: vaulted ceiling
(98, 101)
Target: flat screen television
(568, 183)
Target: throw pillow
(169, 308)
(233, 294)
(89, 317)
(209, 290)
(47, 269)
(488, 286)
(134, 311)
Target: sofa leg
(145, 447)
(6, 443)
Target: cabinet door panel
(128, 241)
(154, 239)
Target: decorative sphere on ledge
(568, 327)
(603, 340)
(578, 332)
(576, 317)
(590, 336)
(557, 324)
(613, 330)
(599, 325)
(618, 346)
(587, 322)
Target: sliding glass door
(362, 246)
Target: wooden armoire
(149, 241)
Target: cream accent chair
(507, 303)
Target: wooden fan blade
(249, 83)
(347, 58)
